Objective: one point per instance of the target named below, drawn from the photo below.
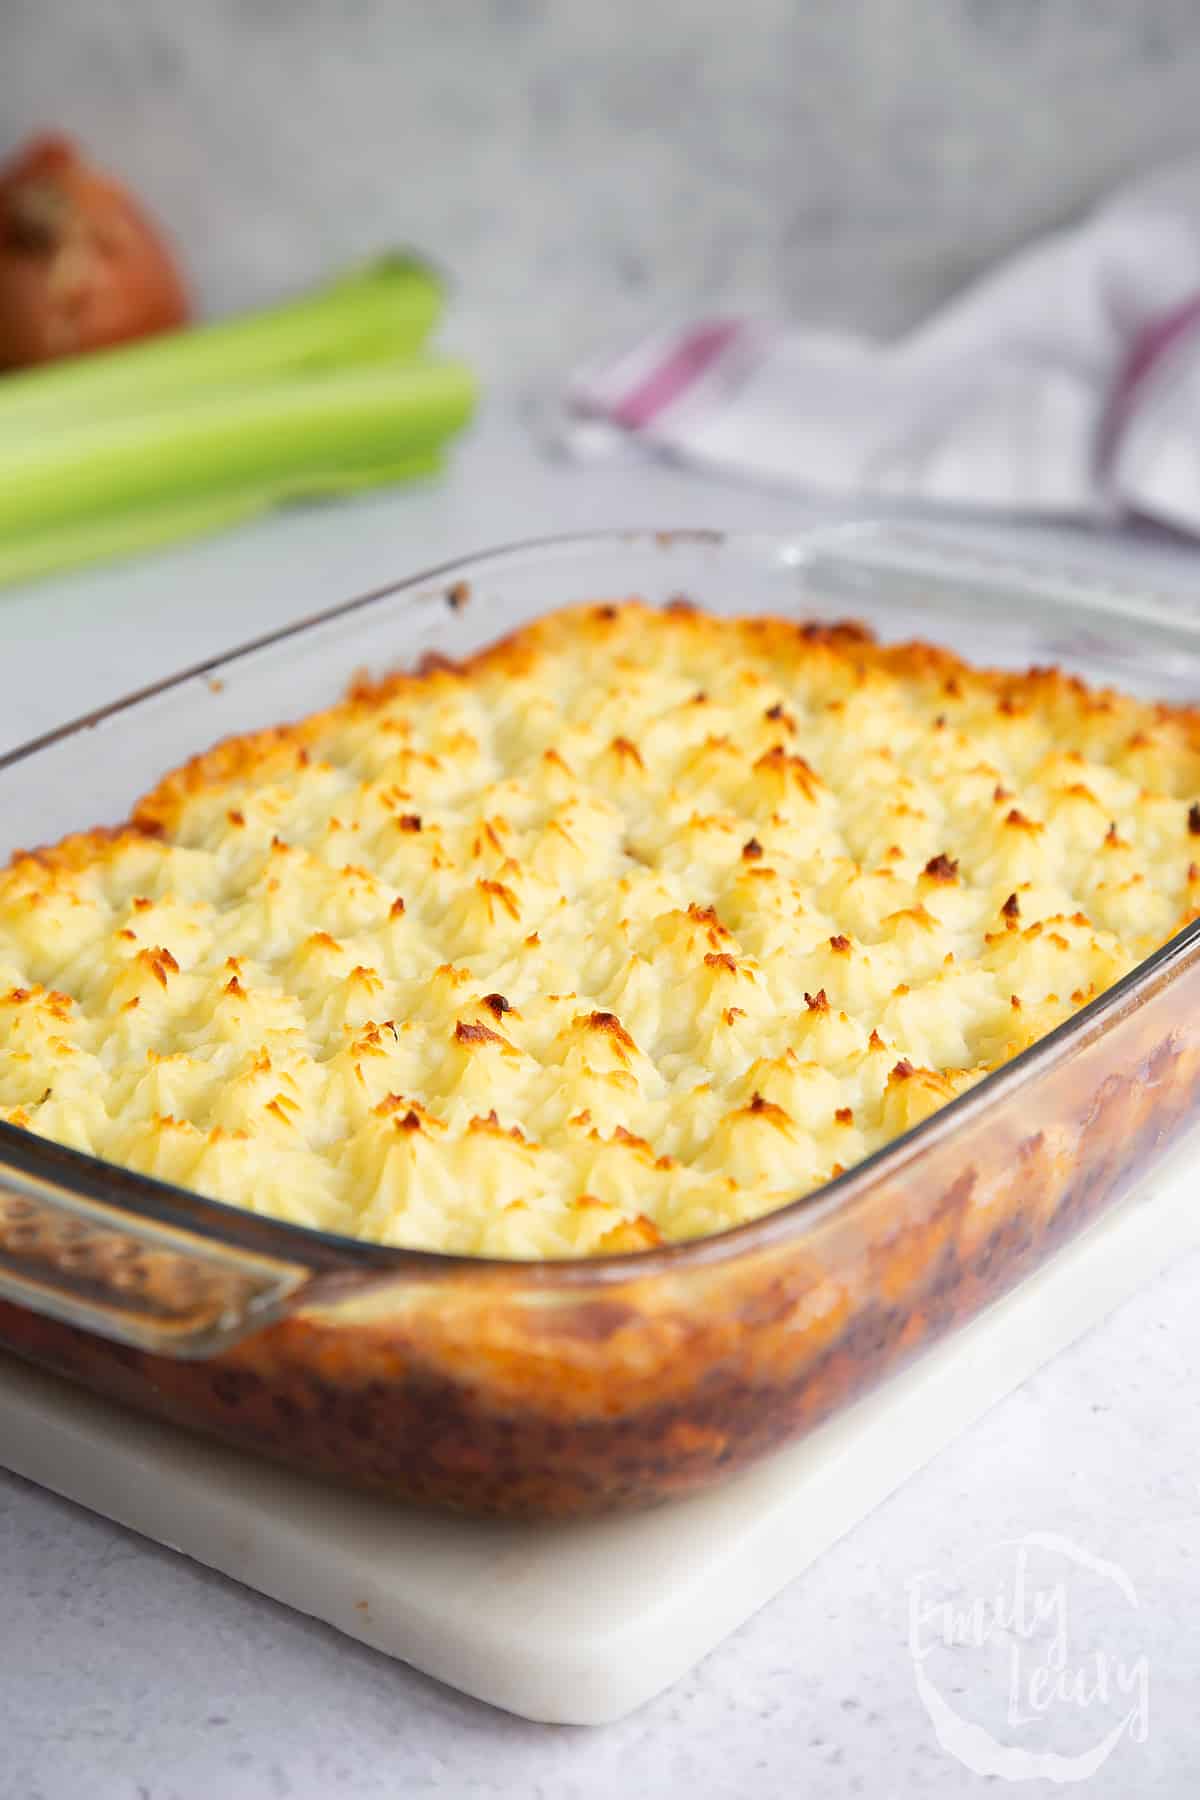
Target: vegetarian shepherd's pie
(637, 925)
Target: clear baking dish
(543, 1389)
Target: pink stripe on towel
(693, 355)
(1149, 347)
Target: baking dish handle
(134, 1280)
(942, 573)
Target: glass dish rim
(319, 1252)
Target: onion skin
(81, 265)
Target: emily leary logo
(1015, 1665)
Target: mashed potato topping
(640, 924)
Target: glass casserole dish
(561, 1388)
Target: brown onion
(81, 265)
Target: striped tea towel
(1065, 384)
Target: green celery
(383, 310)
(128, 483)
(133, 530)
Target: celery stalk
(385, 309)
(133, 530)
(127, 483)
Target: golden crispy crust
(632, 927)
(780, 641)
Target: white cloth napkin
(1065, 384)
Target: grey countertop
(127, 1673)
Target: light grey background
(582, 165)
